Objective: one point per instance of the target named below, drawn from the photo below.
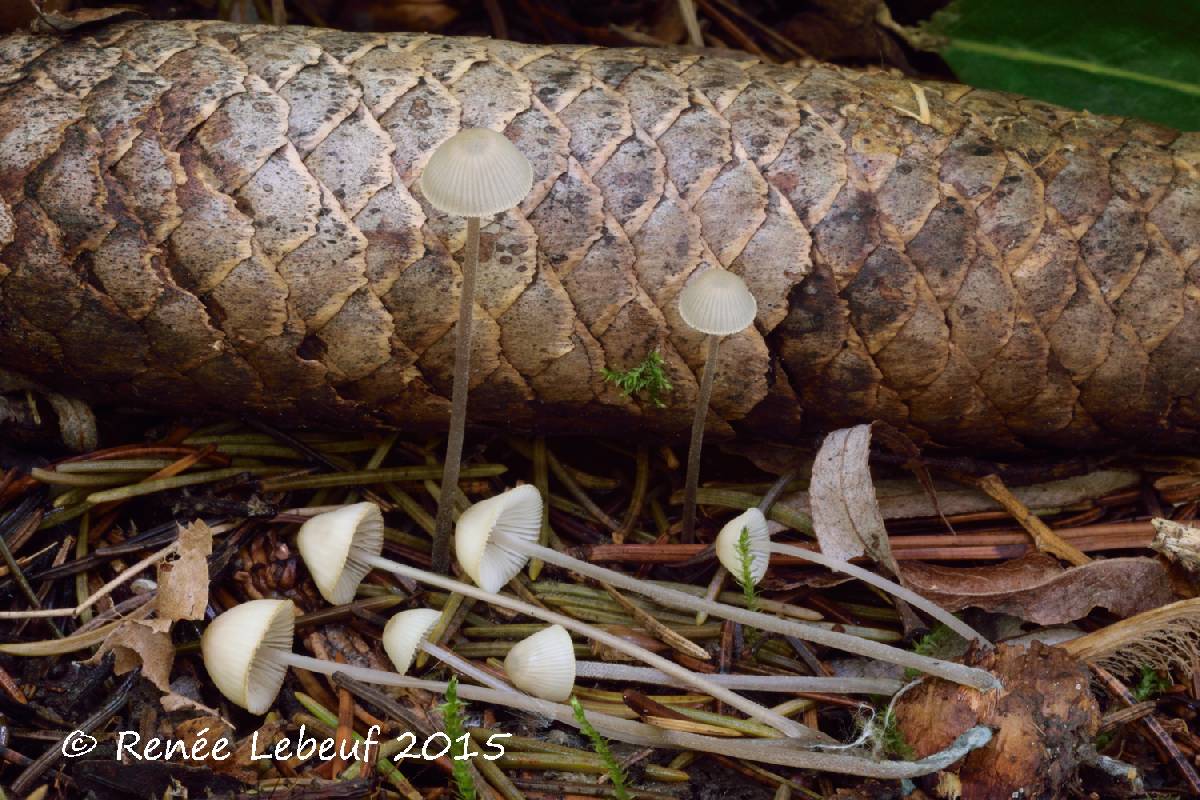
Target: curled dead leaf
(845, 514)
(1037, 588)
(138, 644)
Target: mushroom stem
(692, 480)
(786, 726)
(891, 587)
(606, 671)
(958, 673)
(713, 591)
(781, 752)
(458, 402)
(320, 666)
(462, 665)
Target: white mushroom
(489, 533)
(754, 523)
(345, 542)
(717, 304)
(543, 664)
(247, 649)
(475, 173)
(405, 634)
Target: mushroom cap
(335, 546)
(516, 513)
(241, 649)
(476, 173)
(543, 664)
(755, 524)
(404, 633)
(717, 302)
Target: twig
(96, 596)
(496, 18)
(781, 41)
(43, 762)
(656, 628)
(1045, 539)
(743, 39)
(641, 480)
(687, 10)
(1154, 728)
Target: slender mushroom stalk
(474, 174)
(754, 523)
(405, 634)
(248, 649)
(495, 537)
(717, 304)
(543, 664)
(341, 547)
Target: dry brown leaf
(1037, 588)
(183, 577)
(845, 515)
(137, 644)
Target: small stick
(99, 594)
(659, 630)
(541, 479)
(1045, 539)
(641, 480)
(1154, 728)
(43, 762)
(687, 10)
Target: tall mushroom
(474, 174)
(717, 304)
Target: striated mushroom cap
(241, 650)
(717, 302)
(476, 173)
(334, 546)
(516, 513)
(543, 664)
(755, 524)
(404, 633)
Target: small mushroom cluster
(247, 650)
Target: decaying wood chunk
(198, 215)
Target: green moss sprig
(452, 716)
(616, 773)
(648, 377)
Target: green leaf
(1137, 59)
